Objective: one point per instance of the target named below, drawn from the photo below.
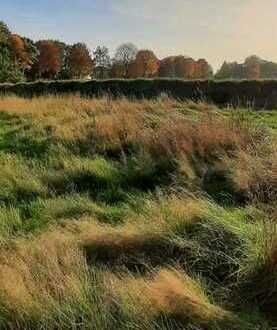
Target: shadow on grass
(18, 136)
(219, 186)
(209, 250)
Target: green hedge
(259, 94)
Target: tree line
(253, 68)
(22, 59)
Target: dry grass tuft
(169, 293)
(256, 176)
(181, 298)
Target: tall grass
(127, 214)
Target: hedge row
(259, 94)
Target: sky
(217, 30)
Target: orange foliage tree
(189, 68)
(49, 59)
(80, 62)
(146, 65)
(203, 69)
(19, 52)
(184, 68)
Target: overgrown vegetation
(119, 214)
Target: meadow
(136, 214)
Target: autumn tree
(203, 70)
(177, 67)
(79, 61)
(102, 61)
(24, 54)
(20, 53)
(189, 68)
(64, 51)
(146, 65)
(184, 67)
(49, 61)
(124, 56)
(252, 67)
(167, 67)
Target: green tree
(4, 33)
(9, 71)
(33, 54)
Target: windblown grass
(127, 214)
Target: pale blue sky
(214, 29)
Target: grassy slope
(136, 215)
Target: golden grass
(71, 116)
(164, 127)
(256, 176)
(39, 276)
(177, 295)
(49, 274)
(158, 130)
(169, 293)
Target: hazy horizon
(212, 29)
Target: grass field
(118, 214)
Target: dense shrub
(259, 94)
